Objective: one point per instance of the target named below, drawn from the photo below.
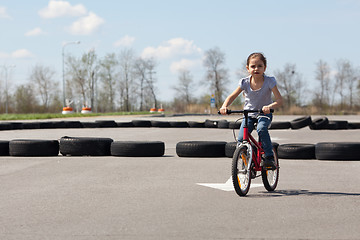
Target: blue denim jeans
(263, 123)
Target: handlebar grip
(228, 111)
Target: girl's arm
(228, 101)
(278, 101)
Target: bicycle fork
(248, 159)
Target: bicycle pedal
(272, 168)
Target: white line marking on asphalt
(228, 186)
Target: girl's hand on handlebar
(266, 109)
(223, 110)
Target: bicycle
(247, 161)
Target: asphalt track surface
(160, 198)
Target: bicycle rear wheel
(270, 178)
(240, 175)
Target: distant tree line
(125, 82)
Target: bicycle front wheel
(270, 178)
(241, 176)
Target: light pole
(5, 67)
(63, 67)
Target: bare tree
(151, 79)
(92, 68)
(346, 78)
(322, 74)
(83, 76)
(140, 67)
(216, 74)
(342, 76)
(108, 76)
(184, 89)
(242, 71)
(25, 101)
(43, 84)
(126, 64)
(290, 84)
(76, 80)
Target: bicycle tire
(270, 178)
(241, 181)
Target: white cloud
(21, 53)
(34, 32)
(172, 48)
(86, 25)
(185, 64)
(125, 41)
(3, 13)
(62, 8)
(4, 55)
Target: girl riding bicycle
(257, 89)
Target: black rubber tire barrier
(106, 123)
(354, 125)
(33, 148)
(58, 124)
(46, 125)
(194, 124)
(300, 122)
(73, 124)
(223, 124)
(160, 124)
(296, 151)
(141, 123)
(4, 148)
(200, 149)
(5, 126)
(337, 125)
(179, 124)
(337, 151)
(280, 125)
(137, 149)
(31, 125)
(16, 125)
(319, 123)
(235, 125)
(125, 124)
(211, 123)
(230, 148)
(85, 146)
(90, 124)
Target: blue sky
(177, 33)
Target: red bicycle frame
(247, 137)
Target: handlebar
(245, 111)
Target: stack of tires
(322, 151)
(81, 146)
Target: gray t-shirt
(256, 99)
